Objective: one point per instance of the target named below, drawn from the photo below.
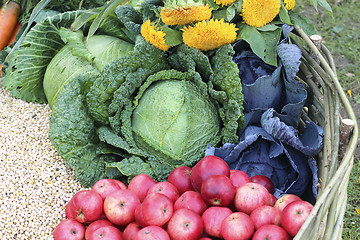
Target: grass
(341, 34)
(352, 217)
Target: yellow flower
(258, 13)
(185, 15)
(209, 35)
(156, 38)
(289, 4)
(224, 2)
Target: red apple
(218, 190)
(265, 215)
(265, 181)
(86, 206)
(105, 186)
(250, 196)
(212, 218)
(106, 233)
(119, 206)
(273, 200)
(139, 216)
(180, 178)
(131, 230)
(68, 210)
(191, 200)
(294, 215)
(140, 185)
(96, 225)
(185, 225)
(120, 183)
(206, 167)
(284, 200)
(237, 225)
(69, 229)
(238, 177)
(152, 233)
(166, 188)
(157, 209)
(270, 232)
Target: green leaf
(76, 42)
(303, 22)
(132, 166)
(212, 4)
(226, 79)
(262, 43)
(45, 13)
(227, 14)
(72, 132)
(284, 15)
(172, 37)
(325, 5)
(108, 136)
(36, 11)
(272, 39)
(338, 28)
(237, 5)
(268, 27)
(27, 65)
(253, 37)
(83, 18)
(103, 14)
(314, 3)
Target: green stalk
(331, 188)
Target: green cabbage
(67, 63)
(142, 115)
(175, 118)
(42, 48)
(141, 111)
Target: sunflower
(224, 2)
(209, 35)
(184, 15)
(258, 13)
(153, 36)
(289, 4)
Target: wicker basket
(336, 160)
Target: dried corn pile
(35, 184)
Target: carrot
(13, 35)
(9, 14)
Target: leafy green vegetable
(27, 65)
(59, 6)
(223, 75)
(142, 110)
(175, 116)
(33, 71)
(77, 57)
(140, 116)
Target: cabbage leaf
(24, 75)
(259, 153)
(143, 115)
(26, 66)
(265, 86)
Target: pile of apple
(207, 201)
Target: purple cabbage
(283, 161)
(266, 86)
(271, 143)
